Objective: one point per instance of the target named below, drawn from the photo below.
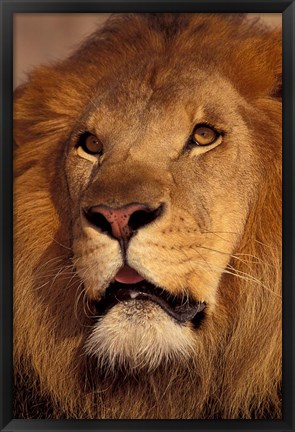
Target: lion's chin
(139, 334)
(139, 325)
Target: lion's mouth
(182, 309)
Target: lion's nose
(122, 222)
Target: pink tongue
(127, 275)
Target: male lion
(147, 224)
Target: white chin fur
(139, 335)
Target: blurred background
(41, 38)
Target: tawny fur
(233, 367)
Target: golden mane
(237, 373)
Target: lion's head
(147, 223)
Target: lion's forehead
(134, 89)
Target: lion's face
(147, 223)
(182, 202)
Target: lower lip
(127, 275)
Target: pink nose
(119, 218)
(122, 222)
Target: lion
(147, 226)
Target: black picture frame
(10, 7)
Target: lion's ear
(47, 105)
(256, 67)
(28, 106)
(32, 107)
(276, 92)
(272, 63)
(276, 54)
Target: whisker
(60, 244)
(236, 256)
(241, 275)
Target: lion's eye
(204, 135)
(90, 144)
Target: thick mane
(237, 373)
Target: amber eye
(204, 135)
(90, 144)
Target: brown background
(40, 38)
